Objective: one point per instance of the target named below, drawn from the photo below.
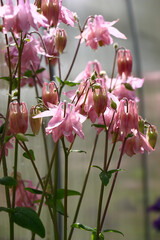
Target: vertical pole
(147, 235)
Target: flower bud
(18, 117)
(141, 124)
(60, 40)
(128, 62)
(50, 96)
(50, 9)
(100, 99)
(35, 123)
(152, 135)
(121, 62)
(124, 62)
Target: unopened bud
(50, 9)
(152, 135)
(124, 62)
(141, 124)
(60, 40)
(100, 99)
(35, 123)
(18, 117)
(50, 96)
(128, 63)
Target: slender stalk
(14, 187)
(102, 187)
(112, 187)
(113, 69)
(42, 186)
(65, 188)
(83, 188)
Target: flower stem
(65, 188)
(102, 187)
(43, 187)
(113, 184)
(84, 187)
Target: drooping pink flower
(18, 117)
(50, 96)
(137, 144)
(98, 32)
(56, 13)
(23, 197)
(126, 118)
(64, 121)
(21, 17)
(123, 87)
(50, 50)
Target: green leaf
(59, 204)
(105, 176)
(97, 167)
(60, 193)
(8, 79)
(112, 230)
(21, 137)
(4, 209)
(78, 151)
(94, 236)
(8, 181)
(28, 218)
(34, 191)
(40, 70)
(59, 207)
(28, 73)
(98, 125)
(113, 104)
(128, 86)
(59, 80)
(83, 227)
(26, 155)
(30, 134)
(70, 84)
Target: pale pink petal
(115, 32)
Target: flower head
(64, 121)
(18, 117)
(21, 17)
(98, 32)
(23, 197)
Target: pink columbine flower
(50, 96)
(18, 117)
(64, 121)
(136, 144)
(23, 197)
(123, 87)
(98, 32)
(21, 17)
(126, 118)
(50, 50)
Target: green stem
(113, 184)
(102, 187)
(14, 187)
(55, 189)
(65, 189)
(83, 188)
(44, 187)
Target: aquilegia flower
(21, 17)
(98, 32)
(23, 197)
(65, 120)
